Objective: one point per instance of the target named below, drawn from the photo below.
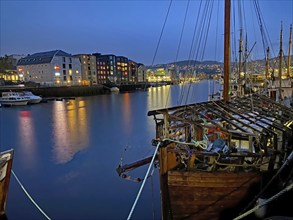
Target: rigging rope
(217, 30)
(28, 195)
(161, 33)
(264, 32)
(180, 100)
(288, 188)
(288, 160)
(179, 46)
(143, 183)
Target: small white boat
(12, 99)
(114, 89)
(32, 99)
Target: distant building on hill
(50, 68)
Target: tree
(5, 63)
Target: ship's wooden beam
(128, 167)
(284, 108)
(221, 114)
(264, 114)
(246, 118)
(274, 110)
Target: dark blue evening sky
(130, 28)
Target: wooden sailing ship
(218, 157)
(215, 155)
(6, 159)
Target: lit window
(70, 72)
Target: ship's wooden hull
(5, 172)
(205, 195)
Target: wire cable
(288, 188)
(143, 183)
(162, 31)
(28, 195)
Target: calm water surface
(66, 153)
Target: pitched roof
(43, 57)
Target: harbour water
(66, 153)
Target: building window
(70, 60)
(64, 78)
(70, 66)
(63, 58)
(64, 72)
(63, 65)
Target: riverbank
(60, 91)
(77, 91)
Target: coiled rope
(265, 202)
(28, 195)
(143, 183)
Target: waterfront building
(122, 69)
(141, 73)
(133, 68)
(118, 70)
(50, 68)
(106, 68)
(88, 69)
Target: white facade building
(88, 69)
(50, 68)
(141, 73)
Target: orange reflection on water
(126, 112)
(70, 130)
(159, 97)
(27, 136)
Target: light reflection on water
(126, 113)
(26, 131)
(70, 130)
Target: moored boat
(13, 99)
(114, 89)
(32, 99)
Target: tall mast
(226, 50)
(239, 80)
(280, 63)
(240, 54)
(267, 68)
(245, 61)
(289, 52)
(267, 63)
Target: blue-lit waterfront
(66, 153)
